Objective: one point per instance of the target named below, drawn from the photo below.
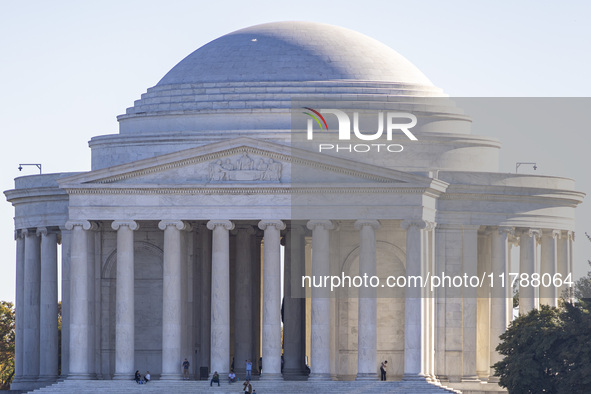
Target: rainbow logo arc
(316, 117)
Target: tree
(529, 345)
(6, 344)
(547, 351)
(575, 349)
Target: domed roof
(294, 51)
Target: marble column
(257, 240)
(124, 300)
(367, 334)
(414, 330)
(32, 299)
(320, 332)
(79, 340)
(429, 300)
(20, 308)
(243, 289)
(527, 265)
(563, 255)
(498, 296)
(469, 310)
(272, 298)
(66, 245)
(205, 241)
(294, 307)
(548, 267)
(172, 299)
(48, 365)
(220, 296)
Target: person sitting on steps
(215, 379)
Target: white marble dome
(294, 51)
(247, 82)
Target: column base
(319, 376)
(366, 377)
(414, 377)
(267, 376)
(80, 376)
(294, 374)
(171, 376)
(47, 378)
(470, 378)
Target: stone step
(170, 387)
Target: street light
(20, 167)
(517, 165)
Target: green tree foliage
(529, 345)
(547, 351)
(6, 344)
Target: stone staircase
(261, 387)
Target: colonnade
(426, 348)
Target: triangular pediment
(242, 161)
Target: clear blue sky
(67, 68)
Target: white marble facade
(161, 241)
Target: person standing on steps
(247, 387)
(186, 365)
(383, 368)
(248, 369)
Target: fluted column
(79, 340)
(172, 299)
(367, 335)
(548, 267)
(220, 296)
(32, 298)
(527, 265)
(414, 330)
(20, 311)
(272, 298)
(294, 308)
(205, 241)
(498, 302)
(469, 297)
(65, 348)
(243, 306)
(48, 367)
(563, 254)
(124, 300)
(320, 338)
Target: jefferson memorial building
(192, 233)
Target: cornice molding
(238, 150)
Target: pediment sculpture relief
(245, 168)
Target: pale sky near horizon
(68, 68)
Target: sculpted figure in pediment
(245, 169)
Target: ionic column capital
(85, 224)
(179, 224)
(278, 224)
(530, 232)
(131, 224)
(326, 224)
(418, 223)
(226, 224)
(375, 224)
(20, 233)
